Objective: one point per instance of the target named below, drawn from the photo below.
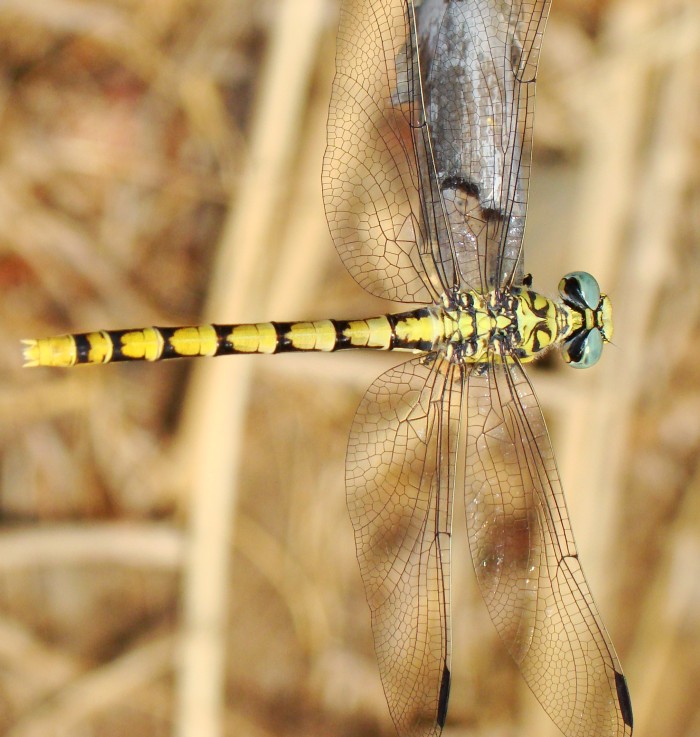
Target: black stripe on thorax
(536, 342)
(541, 312)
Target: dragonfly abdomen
(414, 331)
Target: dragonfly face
(425, 183)
(593, 321)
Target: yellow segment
(58, 351)
(312, 336)
(417, 329)
(101, 348)
(302, 336)
(146, 344)
(372, 333)
(195, 341)
(258, 338)
(325, 332)
(379, 332)
(357, 332)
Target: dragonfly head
(592, 319)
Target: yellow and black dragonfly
(425, 183)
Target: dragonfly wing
(427, 166)
(480, 65)
(526, 562)
(401, 456)
(375, 159)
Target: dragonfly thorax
(507, 324)
(520, 323)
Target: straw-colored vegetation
(175, 556)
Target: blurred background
(175, 553)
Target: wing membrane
(370, 171)
(401, 453)
(400, 475)
(429, 138)
(526, 561)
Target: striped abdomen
(412, 331)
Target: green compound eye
(584, 350)
(580, 288)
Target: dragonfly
(425, 182)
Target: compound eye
(584, 349)
(581, 289)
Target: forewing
(479, 87)
(526, 561)
(401, 456)
(376, 160)
(427, 166)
